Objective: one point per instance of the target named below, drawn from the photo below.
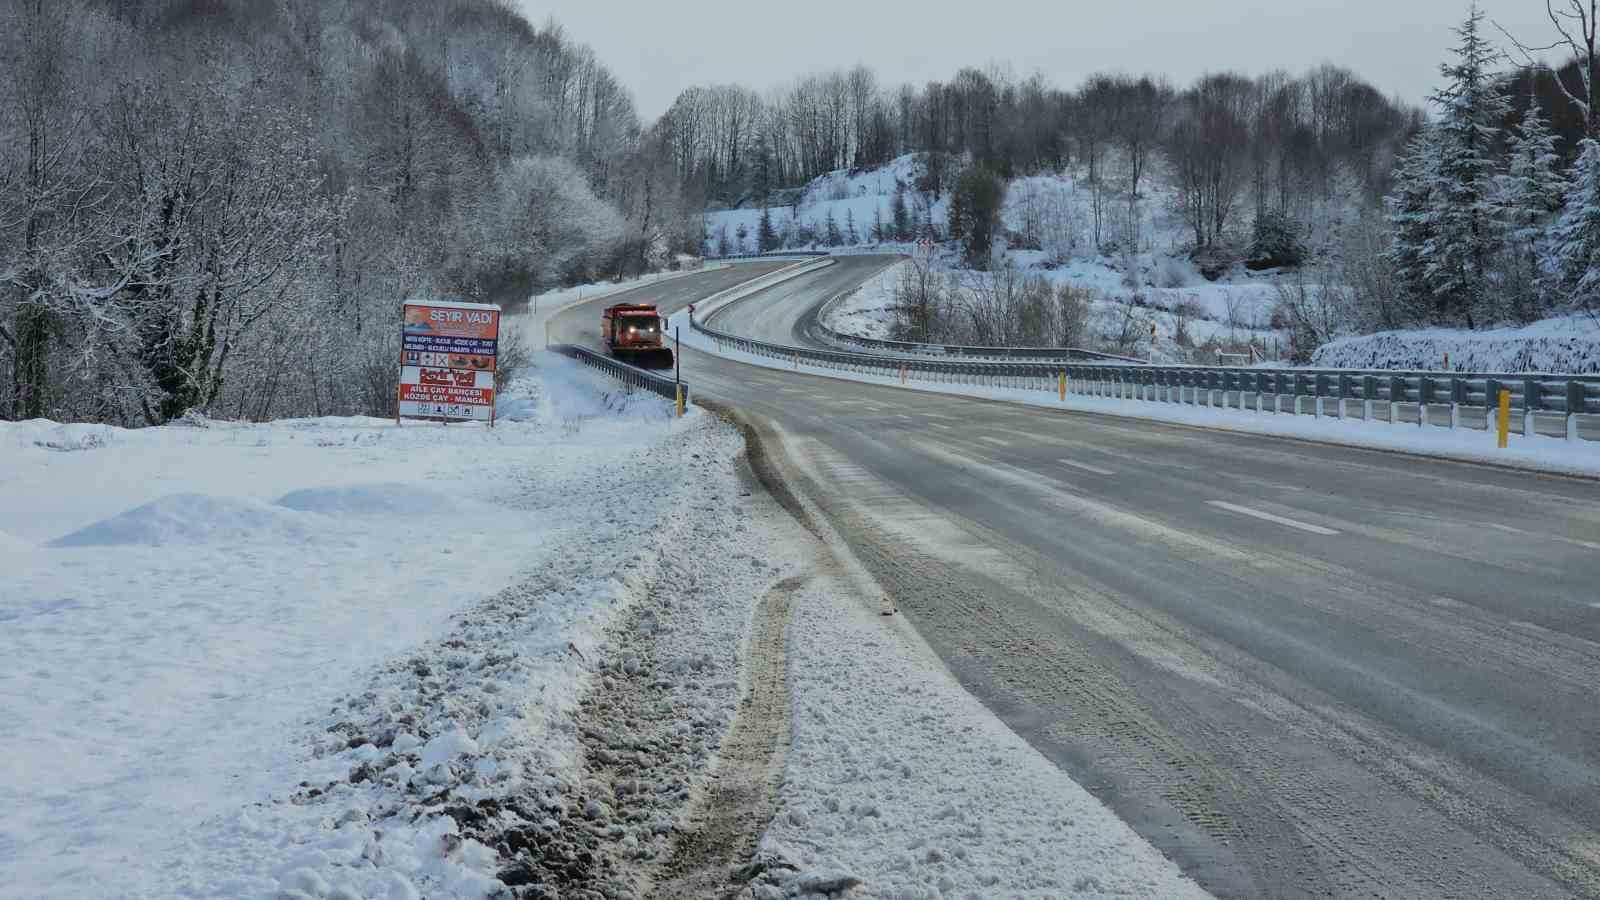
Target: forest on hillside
(217, 204)
(1480, 209)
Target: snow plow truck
(634, 333)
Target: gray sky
(659, 48)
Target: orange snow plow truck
(634, 333)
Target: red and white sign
(447, 361)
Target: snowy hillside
(1048, 234)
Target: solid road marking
(941, 427)
(1086, 467)
(995, 440)
(1269, 517)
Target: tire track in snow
(738, 805)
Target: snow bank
(1568, 345)
(192, 519)
(197, 619)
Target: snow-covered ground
(869, 311)
(236, 655)
(1567, 344)
(1533, 452)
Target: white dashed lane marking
(1269, 517)
(1086, 467)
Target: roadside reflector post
(1491, 404)
(1532, 402)
(1577, 403)
(1061, 386)
(679, 393)
(1503, 421)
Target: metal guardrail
(630, 375)
(1427, 394)
(775, 254)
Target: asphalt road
(1300, 670)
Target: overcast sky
(659, 48)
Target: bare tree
(1577, 26)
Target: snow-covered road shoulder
(245, 660)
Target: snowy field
(1536, 452)
(201, 622)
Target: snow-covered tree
(1457, 256)
(851, 236)
(902, 214)
(1527, 194)
(1572, 260)
(1410, 209)
(831, 233)
(766, 237)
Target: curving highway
(1300, 670)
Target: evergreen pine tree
(1572, 260)
(831, 232)
(1410, 219)
(1527, 194)
(902, 216)
(878, 235)
(722, 240)
(766, 238)
(851, 236)
(1457, 256)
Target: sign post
(448, 355)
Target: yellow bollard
(1503, 427)
(680, 401)
(1061, 390)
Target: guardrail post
(1531, 402)
(1397, 395)
(1577, 403)
(1322, 390)
(1369, 392)
(1458, 396)
(1491, 397)
(1424, 399)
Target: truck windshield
(643, 323)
